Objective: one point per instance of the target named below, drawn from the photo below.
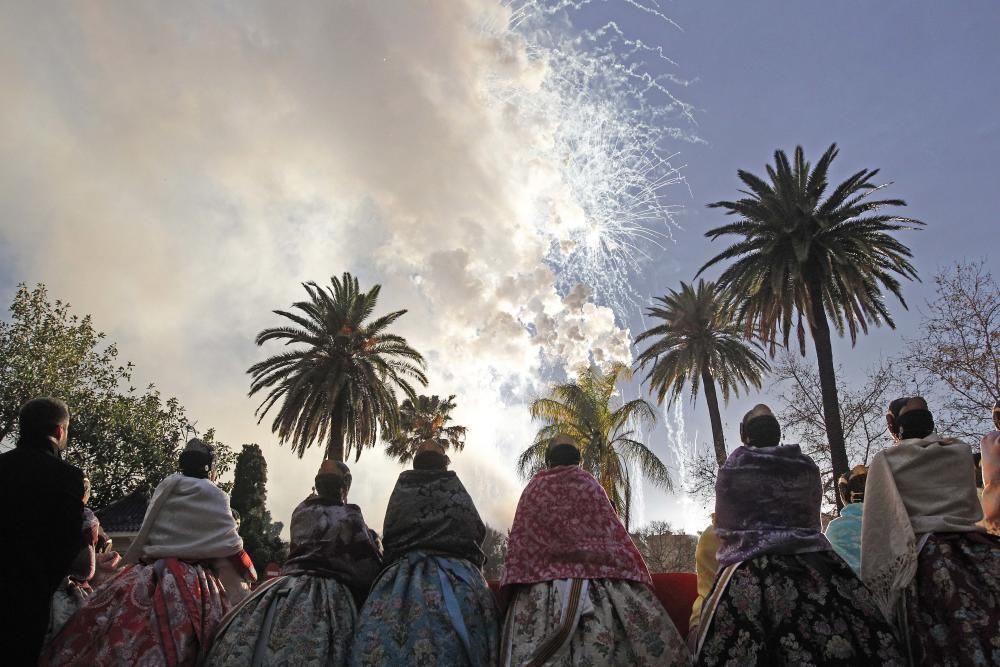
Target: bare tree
(665, 549)
(862, 409)
(956, 353)
(702, 474)
(495, 548)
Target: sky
(177, 171)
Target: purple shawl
(767, 501)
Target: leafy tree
(956, 354)
(805, 259)
(665, 549)
(340, 384)
(122, 438)
(582, 409)
(249, 499)
(699, 342)
(422, 419)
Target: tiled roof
(125, 515)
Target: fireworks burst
(612, 123)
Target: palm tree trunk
(820, 329)
(335, 447)
(718, 438)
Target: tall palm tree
(699, 343)
(340, 384)
(582, 409)
(805, 259)
(421, 419)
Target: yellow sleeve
(706, 567)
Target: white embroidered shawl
(917, 487)
(187, 518)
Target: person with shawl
(989, 449)
(782, 596)
(844, 532)
(706, 566)
(579, 590)
(308, 614)
(933, 569)
(431, 604)
(168, 599)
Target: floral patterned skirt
(159, 614)
(952, 607)
(800, 609)
(617, 623)
(428, 611)
(290, 620)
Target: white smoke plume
(177, 169)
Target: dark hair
(195, 464)
(762, 431)
(977, 458)
(851, 485)
(563, 454)
(40, 416)
(430, 460)
(332, 486)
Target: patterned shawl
(990, 448)
(187, 518)
(767, 501)
(430, 510)
(329, 539)
(565, 528)
(84, 565)
(918, 487)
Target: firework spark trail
(614, 121)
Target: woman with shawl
(782, 596)
(579, 590)
(307, 615)
(431, 604)
(932, 567)
(167, 601)
(844, 532)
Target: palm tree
(806, 259)
(582, 409)
(420, 420)
(340, 385)
(700, 342)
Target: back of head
(760, 428)
(333, 481)
(562, 451)
(197, 458)
(430, 456)
(909, 417)
(39, 417)
(851, 486)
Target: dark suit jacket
(41, 509)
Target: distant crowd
(908, 574)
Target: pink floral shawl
(565, 528)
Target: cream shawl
(918, 487)
(187, 518)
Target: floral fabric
(952, 606)
(623, 625)
(801, 609)
(291, 620)
(428, 611)
(430, 510)
(844, 534)
(566, 528)
(159, 614)
(784, 516)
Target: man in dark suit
(41, 510)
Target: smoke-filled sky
(177, 170)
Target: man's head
(909, 417)
(760, 428)
(44, 418)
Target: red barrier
(675, 590)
